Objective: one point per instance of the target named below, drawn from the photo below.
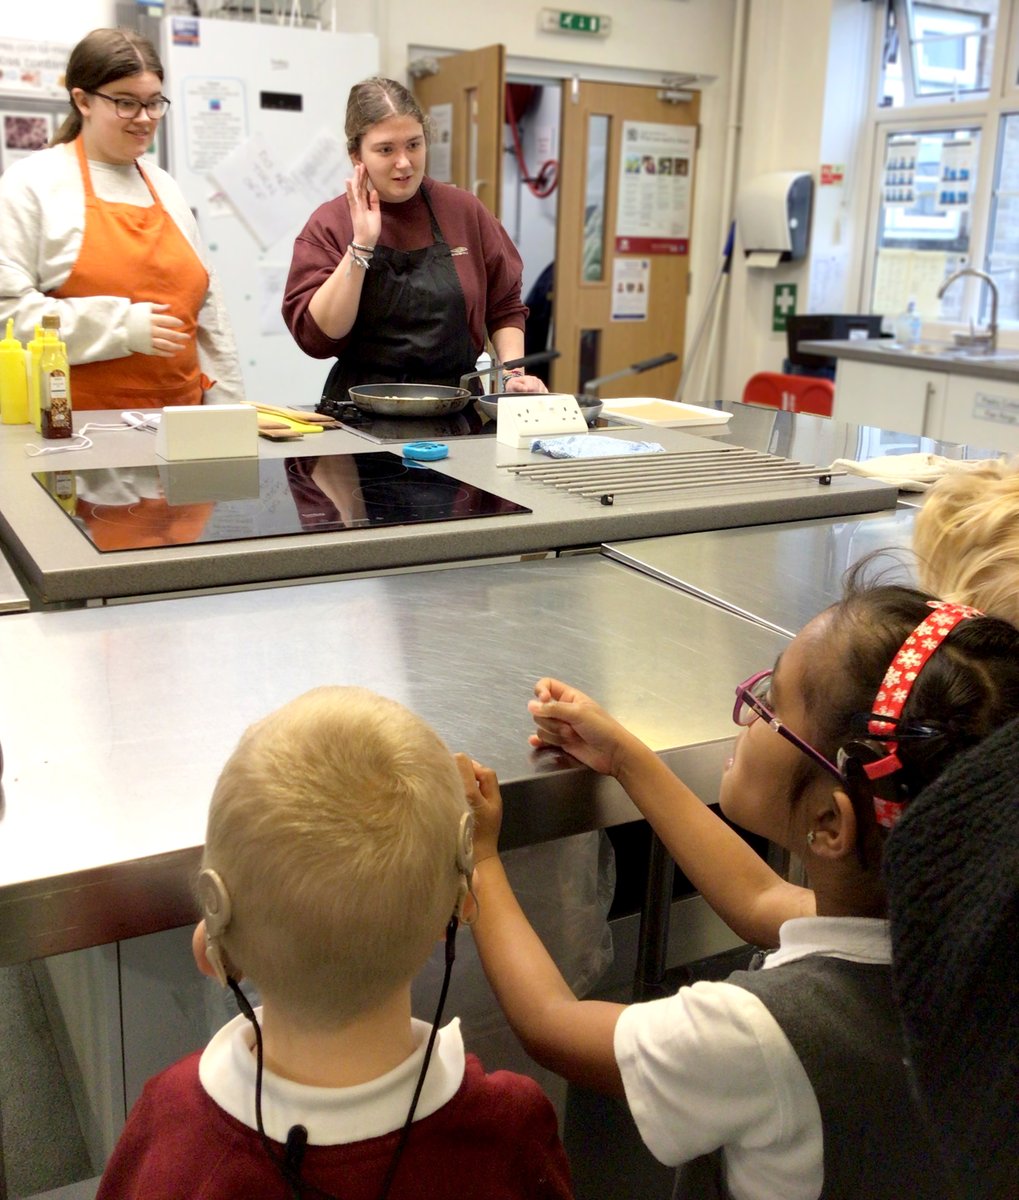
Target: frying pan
(409, 399)
(425, 399)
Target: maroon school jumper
(495, 1139)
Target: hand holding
(168, 337)
(481, 788)
(524, 383)
(365, 209)
(566, 718)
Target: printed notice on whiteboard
(215, 119)
(655, 182)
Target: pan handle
(529, 360)
(539, 356)
(591, 387)
(648, 363)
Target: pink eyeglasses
(751, 695)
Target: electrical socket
(535, 415)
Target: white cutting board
(649, 410)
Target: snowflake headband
(894, 691)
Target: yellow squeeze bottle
(13, 380)
(33, 356)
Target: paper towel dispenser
(773, 217)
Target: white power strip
(534, 415)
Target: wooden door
(474, 84)
(598, 329)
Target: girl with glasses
(89, 234)
(788, 1082)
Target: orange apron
(140, 253)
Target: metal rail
(653, 474)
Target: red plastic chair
(791, 393)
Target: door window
(595, 190)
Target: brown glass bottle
(54, 383)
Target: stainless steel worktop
(63, 567)
(945, 357)
(119, 718)
(778, 575)
(13, 597)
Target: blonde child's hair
(966, 538)
(334, 828)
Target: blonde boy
(337, 853)
(966, 538)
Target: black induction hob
(223, 500)
(469, 422)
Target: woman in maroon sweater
(400, 279)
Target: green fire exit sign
(554, 20)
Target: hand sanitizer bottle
(908, 325)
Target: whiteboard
(270, 93)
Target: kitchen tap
(987, 338)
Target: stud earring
(810, 837)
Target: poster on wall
(955, 184)
(440, 149)
(215, 117)
(898, 183)
(655, 187)
(24, 132)
(631, 286)
(33, 68)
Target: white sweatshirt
(42, 221)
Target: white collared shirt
(332, 1116)
(710, 1066)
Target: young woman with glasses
(111, 247)
(788, 1082)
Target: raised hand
(482, 790)
(365, 207)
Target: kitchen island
(63, 567)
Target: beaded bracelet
(361, 261)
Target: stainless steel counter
(63, 567)
(12, 594)
(777, 575)
(119, 718)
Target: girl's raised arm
(751, 898)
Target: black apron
(411, 322)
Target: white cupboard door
(898, 399)
(983, 413)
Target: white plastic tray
(649, 410)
